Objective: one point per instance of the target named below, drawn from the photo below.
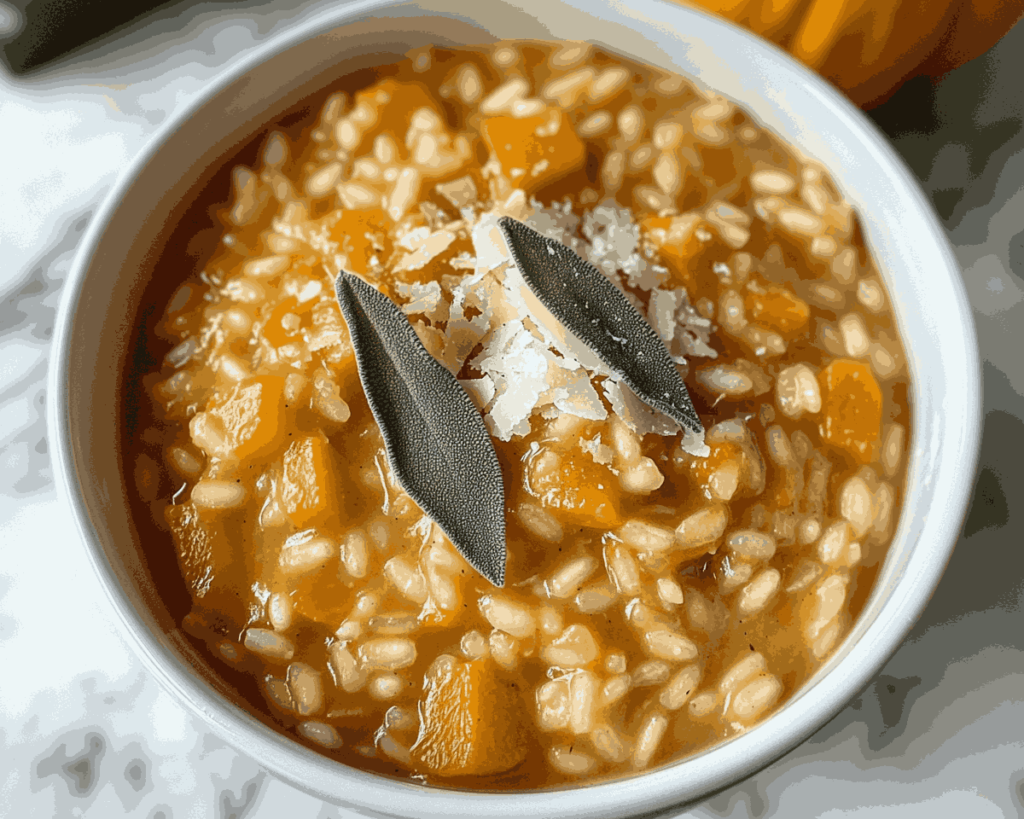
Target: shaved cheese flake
(463, 262)
(662, 313)
(481, 390)
(518, 364)
(576, 395)
(424, 299)
(575, 353)
(601, 453)
(426, 251)
(487, 243)
(414, 239)
(460, 192)
(635, 413)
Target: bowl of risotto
(669, 616)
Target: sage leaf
(594, 310)
(436, 441)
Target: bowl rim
(653, 790)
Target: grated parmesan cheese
(423, 249)
(522, 360)
(424, 299)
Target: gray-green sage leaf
(437, 443)
(594, 310)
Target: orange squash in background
(868, 48)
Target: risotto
(655, 601)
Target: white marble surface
(85, 731)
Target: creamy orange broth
(655, 602)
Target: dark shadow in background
(911, 110)
(50, 29)
(51, 32)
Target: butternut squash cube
(851, 408)
(362, 237)
(393, 104)
(309, 488)
(251, 415)
(778, 309)
(472, 722)
(534, 150)
(206, 557)
(582, 491)
(689, 247)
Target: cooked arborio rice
(656, 601)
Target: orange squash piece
(778, 309)
(362, 237)
(582, 491)
(393, 104)
(472, 723)
(851, 408)
(650, 225)
(251, 415)
(309, 489)
(206, 557)
(322, 596)
(688, 247)
(542, 148)
(197, 545)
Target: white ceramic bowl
(102, 297)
